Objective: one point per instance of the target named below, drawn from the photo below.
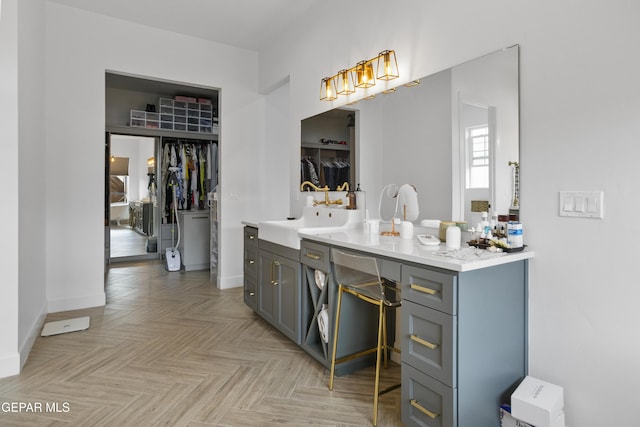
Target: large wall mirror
(455, 136)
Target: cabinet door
(278, 293)
(267, 286)
(287, 291)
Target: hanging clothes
(189, 158)
(309, 171)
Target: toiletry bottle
(485, 227)
(361, 200)
(453, 237)
(351, 197)
(406, 230)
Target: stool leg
(335, 338)
(385, 342)
(377, 385)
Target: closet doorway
(132, 197)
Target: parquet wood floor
(170, 349)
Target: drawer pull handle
(274, 277)
(424, 289)
(424, 410)
(425, 343)
(251, 261)
(312, 256)
(251, 237)
(252, 294)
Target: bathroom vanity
(463, 331)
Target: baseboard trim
(34, 332)
(10, 365)
(230, 282)
(76, 303)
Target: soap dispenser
(351, 197)
(360, 198)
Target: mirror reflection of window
(119, 189)
(478, 162)
(119, 180)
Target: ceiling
(247, 24)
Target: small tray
(521, 248)
(483, 245)
(478, 244)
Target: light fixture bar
(346, 81)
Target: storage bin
(138, 114)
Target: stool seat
(359, 276)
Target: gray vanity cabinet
(358, 320)
(251, 267)
(279, 288)
(463, 344)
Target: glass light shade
(345, 83)
(328, 89)
(364, 74)
(387, 65)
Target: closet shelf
(337, 147)
(136, 131)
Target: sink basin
(314, 219)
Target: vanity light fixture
(327, 89)
(362, 75)
(387, 65)
(345, 83)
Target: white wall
(579, 92)
(31, 181)
(275, 160)
(80, 47)
(9, 214)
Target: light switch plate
(581, 204)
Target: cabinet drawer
(430, 288)
(250, 297)
(315, 255)
(427, 402)
(251, 261)
(250, 236)
(429, 341)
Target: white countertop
(410, 250)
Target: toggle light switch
(581, 204)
